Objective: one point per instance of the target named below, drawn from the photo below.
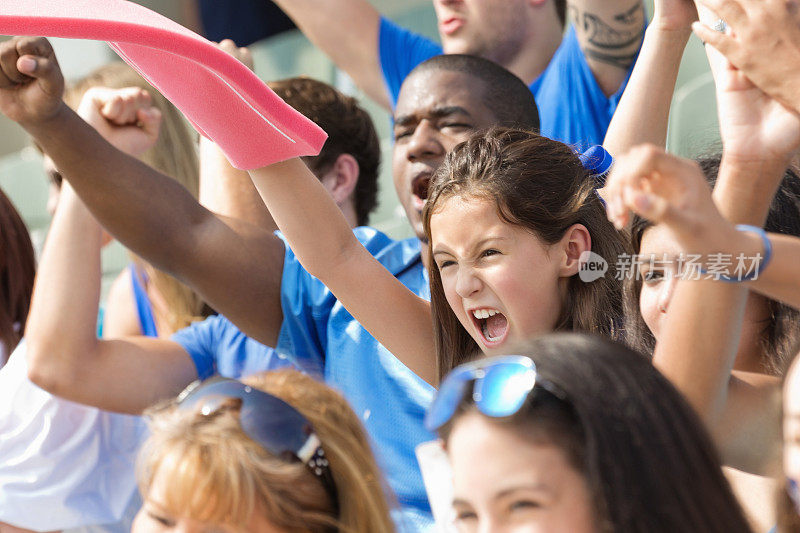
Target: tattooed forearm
(613, 41)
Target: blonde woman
(278, 452)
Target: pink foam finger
(222, 98)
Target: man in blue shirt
(249, 275)
(577, 77)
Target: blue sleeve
(572, 106)
(400, 51)
(199, 342)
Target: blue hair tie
(598, 162)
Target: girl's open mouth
(492, 324)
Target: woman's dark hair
(780, 335)
(17, 270)
(540, 185)
(647, 459)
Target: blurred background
(281, 51)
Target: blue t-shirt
(390, 399)
(572, 106)
(219, 347)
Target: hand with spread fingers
(667, 190)
(763, 41)
(124, 117)
(31, 83)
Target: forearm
(746, 186)
(309, 219)
(347, 31)
(643, 111)
(147, 211)
(61, 327)
(699, 343)
(234, 266)
(779, 280)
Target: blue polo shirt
(572, 106)
(390, 399)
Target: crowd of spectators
(586, 333)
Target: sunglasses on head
(274, 424)
(498, 385)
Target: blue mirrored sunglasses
(274, 424)
(499, 386)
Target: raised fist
(124, 117)
(31, 83)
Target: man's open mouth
(419, 189)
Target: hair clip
(598, 162)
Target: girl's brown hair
(646, 456)
(219, 475)
(541, 185)
(17, 271)
(175, 154)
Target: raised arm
(649, 90)
(700, 339)
(236, 267)
(610, 35)
(224, 189)
(347, 31)
(64, 355)
(326, 247)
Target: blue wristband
(764, 261)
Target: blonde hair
(174, 154)
(219, 475)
